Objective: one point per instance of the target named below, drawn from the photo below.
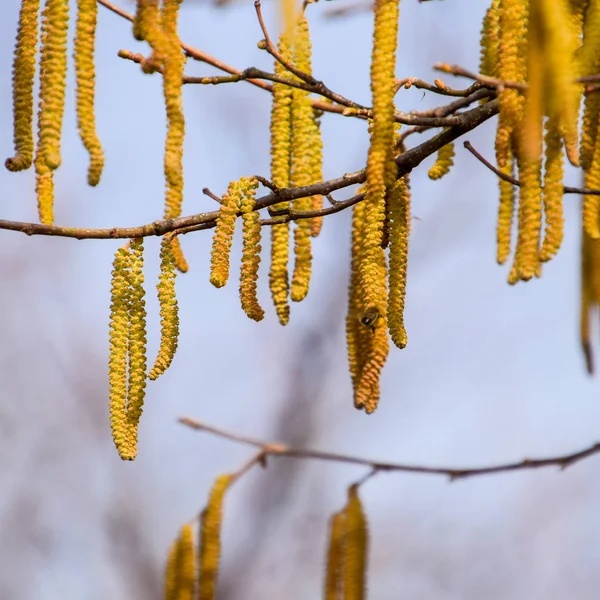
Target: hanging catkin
(380, 156)
(356, 543)
(399, 203)
(23, 74)
(223, 236)
(490, 37)
(119, 342)
(301, 167)
(590, 252)
(210, 538)
(85, 74)
(127, 363)
(443, 163)
(250, 258)
(334, 580)
(53, 77)
(553, 193)
(512, 53)
(280, 175)
(169, 309)
(137, 340)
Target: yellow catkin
(383, 66)
(587, 297)
(334, 580)
(23, 74)
(588, 63)
(490, 35)
(513, 23)
(210, 538)
(399, 203)
(562, 99)
(301, 163)
(53, 76)
(356, 334)
(530, 219)
(85, 73)
(169, 310)
(316, 164)
(119, 342)
(377, 345)
(553, 193)
(250, 258)
(171, 573)
(591, 203)
(185, 564)
(223, 236)
(506, 210)
(280, 175)
(137, 341)
(443, 163)
(356, 548)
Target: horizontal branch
(405, 162)
(277, 449)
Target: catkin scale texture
(383, 66)
(85, 73)
(281, 137)
(356, 543)
(23, 75)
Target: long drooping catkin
(443, 163)
(85, 73)
(383, 65)
(23, 74)
(250, 259)
(210, 538)
(280, 175)
(334, 572)
(169, 310)
(301, 167)
(399, 203)
(53, 78)
(356, 547)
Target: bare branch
(277, 449)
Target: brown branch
(490, 81)
(277, 449)
(567, 189)
(405, 162)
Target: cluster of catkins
(543, 50)
(192, 567)
(52, 79)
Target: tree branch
(277, 449)
(405, 162)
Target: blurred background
(491, 373)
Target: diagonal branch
(277, 449)
(405, 162)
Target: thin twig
(278, 449)
(567, 189)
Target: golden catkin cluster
(23, 74)
(231, 204)
(192, 575)
(533, 43)
(169, 309)
(346, 568)
(53, 78)
(127, 362)
(296, 160)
